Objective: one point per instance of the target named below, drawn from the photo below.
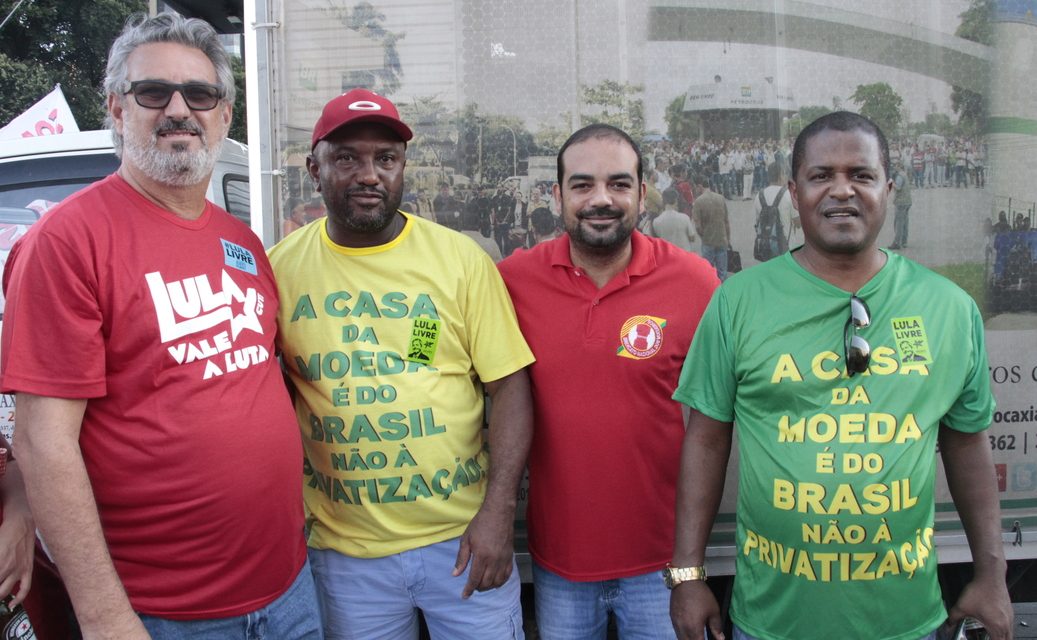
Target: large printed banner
(50, 116)
(1013, 434)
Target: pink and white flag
(49, 116)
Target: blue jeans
(716, 256)
(379, 598)
(292, 616)
(741, 635)
(567, 610)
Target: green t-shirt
(835, 502)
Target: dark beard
(595, 241)
(363, 222)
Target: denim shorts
(379, 598)
(567, 610)
(292, 616)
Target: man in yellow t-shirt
(391, 328)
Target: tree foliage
(680, 125)
(548, 139)
(975, 22)
(21, 85)
(803, 117)
(239, 123)
(50, 42)
(491, 148)
(881, 104)
(938, 123)
(977, 27)
(435, 132)
(617, 104)
(366, 20)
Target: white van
(37, 173)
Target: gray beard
(176, 168)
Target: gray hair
(165, 27)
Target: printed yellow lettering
(818, 366)
(786, 369)
(791, 432)
(822, 428)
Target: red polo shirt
(606, 447)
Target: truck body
(462, 71)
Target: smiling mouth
(596, 222)
(841, 213)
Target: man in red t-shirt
(679, 174)
(157, 440)
(609, 314)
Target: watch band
(673, 576)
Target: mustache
(600, 212)
(367, 191)
(169, 125)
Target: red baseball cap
(359, 105)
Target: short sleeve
(707, 382)
(52, 339)
(974, 408)
(496, 344)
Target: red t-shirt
(167, 326)
(607, 436)
(689, 196)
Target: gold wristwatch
(673, 576)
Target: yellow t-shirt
(386, 347)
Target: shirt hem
(227, 612)
(405, 545)
(613, 574)
(918, 632)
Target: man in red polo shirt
(609, 314)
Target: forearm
(510, 433)
(700, 486)
(971, 478)
(67, 517)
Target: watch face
(668, 578)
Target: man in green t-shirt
(843, 365)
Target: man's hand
(66, 514)
(17, 543)
(17, 530)
(988, 602)
(969, 465)
(488, 543)
(693, 607)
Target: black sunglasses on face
(856, 349)
(156, 94)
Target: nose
(600, 196)
(368, 174)
(177, 107)
(842, 187)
